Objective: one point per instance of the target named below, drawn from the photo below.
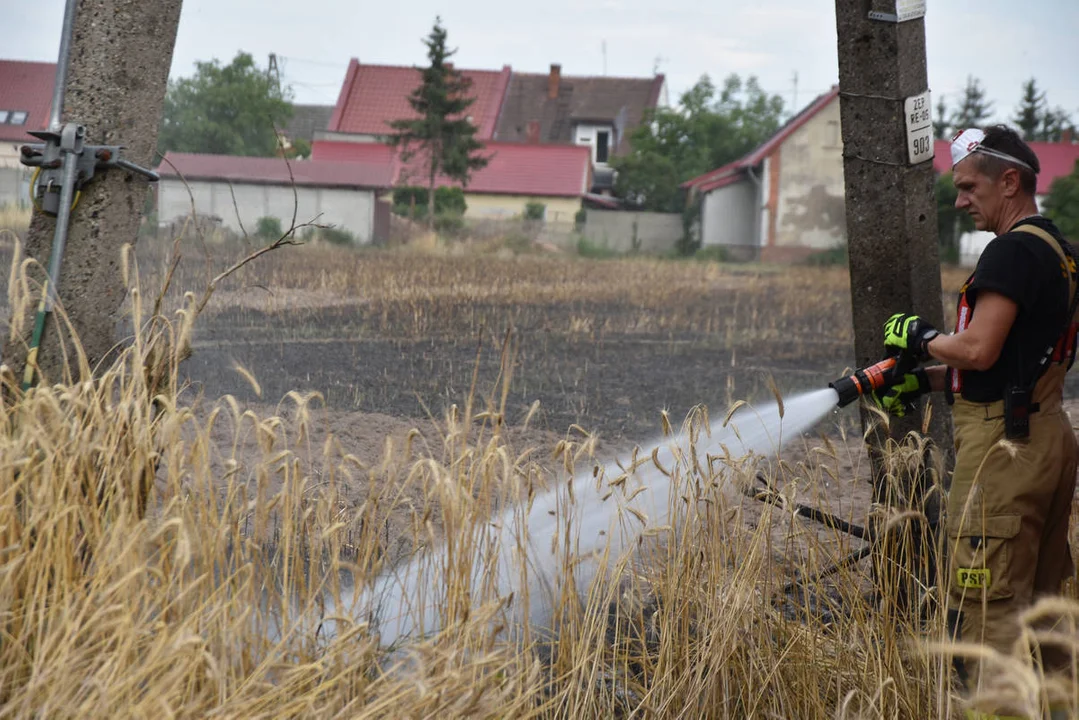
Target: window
(603, 139)
(13, 117)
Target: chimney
(553, 79)
(533, 132)
(1066, 136)
(448, 66)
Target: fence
(623, 232)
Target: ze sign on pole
(909, 9)
(919, 117)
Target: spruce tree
(1053, 124)
(1031, 110)
(441, 134)
(973, 109)
(940, 124)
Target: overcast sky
(1001, 42)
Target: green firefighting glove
(901, 398)
(909, 333)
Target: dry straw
(165, 560)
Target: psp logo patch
(973, 578)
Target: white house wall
(727, 217)
(344, 208)
(809, 205)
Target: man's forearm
(963, 351)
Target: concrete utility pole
(886, 119)
(120, 54)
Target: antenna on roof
(272, 70)
(603, 47)
(655, 64)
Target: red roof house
(784, 199)
(374, 95)
(734, 171)
(25, 98)
(511, 108)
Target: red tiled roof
(729, 178)
(274, 170)
(374, 95)
(26, 87)
(519, 169)
(728, 173)
(1057, 160)
(346, 151)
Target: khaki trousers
(1007, 516)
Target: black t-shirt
(1023, 268)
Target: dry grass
(212, 601)
(14, 218)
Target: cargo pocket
(981, 552)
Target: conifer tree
(441, 134)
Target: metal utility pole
(110, 87)
(886, 118)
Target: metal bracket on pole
(65, 164)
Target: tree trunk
(121, 52)
(431, 197)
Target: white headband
(970, 141)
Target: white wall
(727, 217)
(586, 135)
(810, 207)
(344, 208)
(615, 230)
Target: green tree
(441, 135)
(1037, 120)
(1053, 125)
(300, 148)
(1031, 111)
(1062, 205)
(941, 126)
(230, 110)
(951, 223)
(535, 210)
(973, 109)
(710, 128)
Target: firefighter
(1003, 372)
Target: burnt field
(606, 345)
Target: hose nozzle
(864, 380)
